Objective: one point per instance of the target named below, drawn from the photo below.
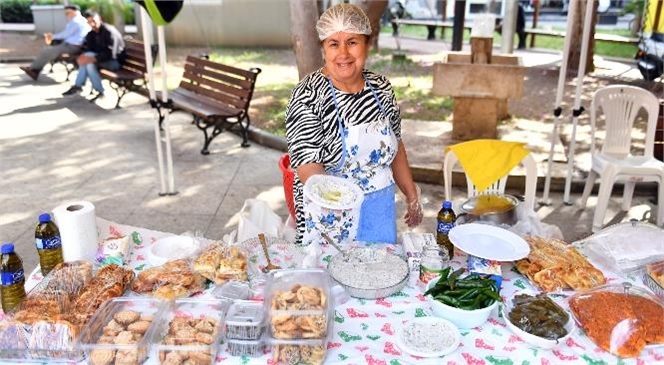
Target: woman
(344, 120)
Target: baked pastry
(109, 282)
(656, 271)
(221, 264)
(553, 265)
(183, 331)
(175, 279)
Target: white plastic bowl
(171, 248)
(460, 317)
(540, 342)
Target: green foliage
(635, 7)
(16, 11)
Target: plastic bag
(257, 217)
(528, 224)
(626, 247)
(634, 321)
(553, 265)
(174, 279)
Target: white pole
(560, 92)
(146, 24)
(164, 97)
(587, 23)
(509, 27)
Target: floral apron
(367, 153)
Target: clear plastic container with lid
(251, 348)
(190, 331)
(120, 329)
(244, 321)
(303, 352)
(297, 303)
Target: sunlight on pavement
(26, 125)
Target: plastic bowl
(171, 248)
(460, 317)
(540, 342)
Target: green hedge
(18, 11)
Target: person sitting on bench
(102, 47)
(67, 41)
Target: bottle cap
(7, 248)
(44, 218)
(447, 204)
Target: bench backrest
(135, 56)
(227, 86)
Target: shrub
(16, 11)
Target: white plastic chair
(497, 187)
(614, 161)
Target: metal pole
(578, 109)
(164, 98)
(458, 29)
(509, 27)
(557, 109)
(146, 25)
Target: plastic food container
(533, 339)
(301, 352)
(251, 348)
(297, 303)
(46, 340)
(244, 321)
(189, 330)
(632, 324)
(233, 290)
(460, 317)
(119, 331)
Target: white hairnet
(346, 18)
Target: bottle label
(11, 278)
(444, 227)
(48, 243)
(428, 274)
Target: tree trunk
(575, 48)
(374, 10)
(304, 15)
(117, 6)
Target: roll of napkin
(78, 229)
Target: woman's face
(345, 55)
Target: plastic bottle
(446, 219)
(49, 244)
(12, 278)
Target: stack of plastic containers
(298, 315)
(244, 328)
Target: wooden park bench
(431, 25)
(216, 95)
(68, 61)
(132, 75)
(599, 37)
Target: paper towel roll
(78, 229)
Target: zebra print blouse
(312, 130)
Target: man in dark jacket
(102, 47)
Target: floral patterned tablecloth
(365, 330)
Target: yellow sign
(650, 16)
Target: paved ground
(54, 149)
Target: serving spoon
(270, 266)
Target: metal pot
(498, 209)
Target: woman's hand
(414, 213)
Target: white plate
(172, 248)
(456, 335)
(489, 242)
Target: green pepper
(471, 293)
(470, 284)
(491, 294)
(454, 302)
(444, 274)
(455, 293)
